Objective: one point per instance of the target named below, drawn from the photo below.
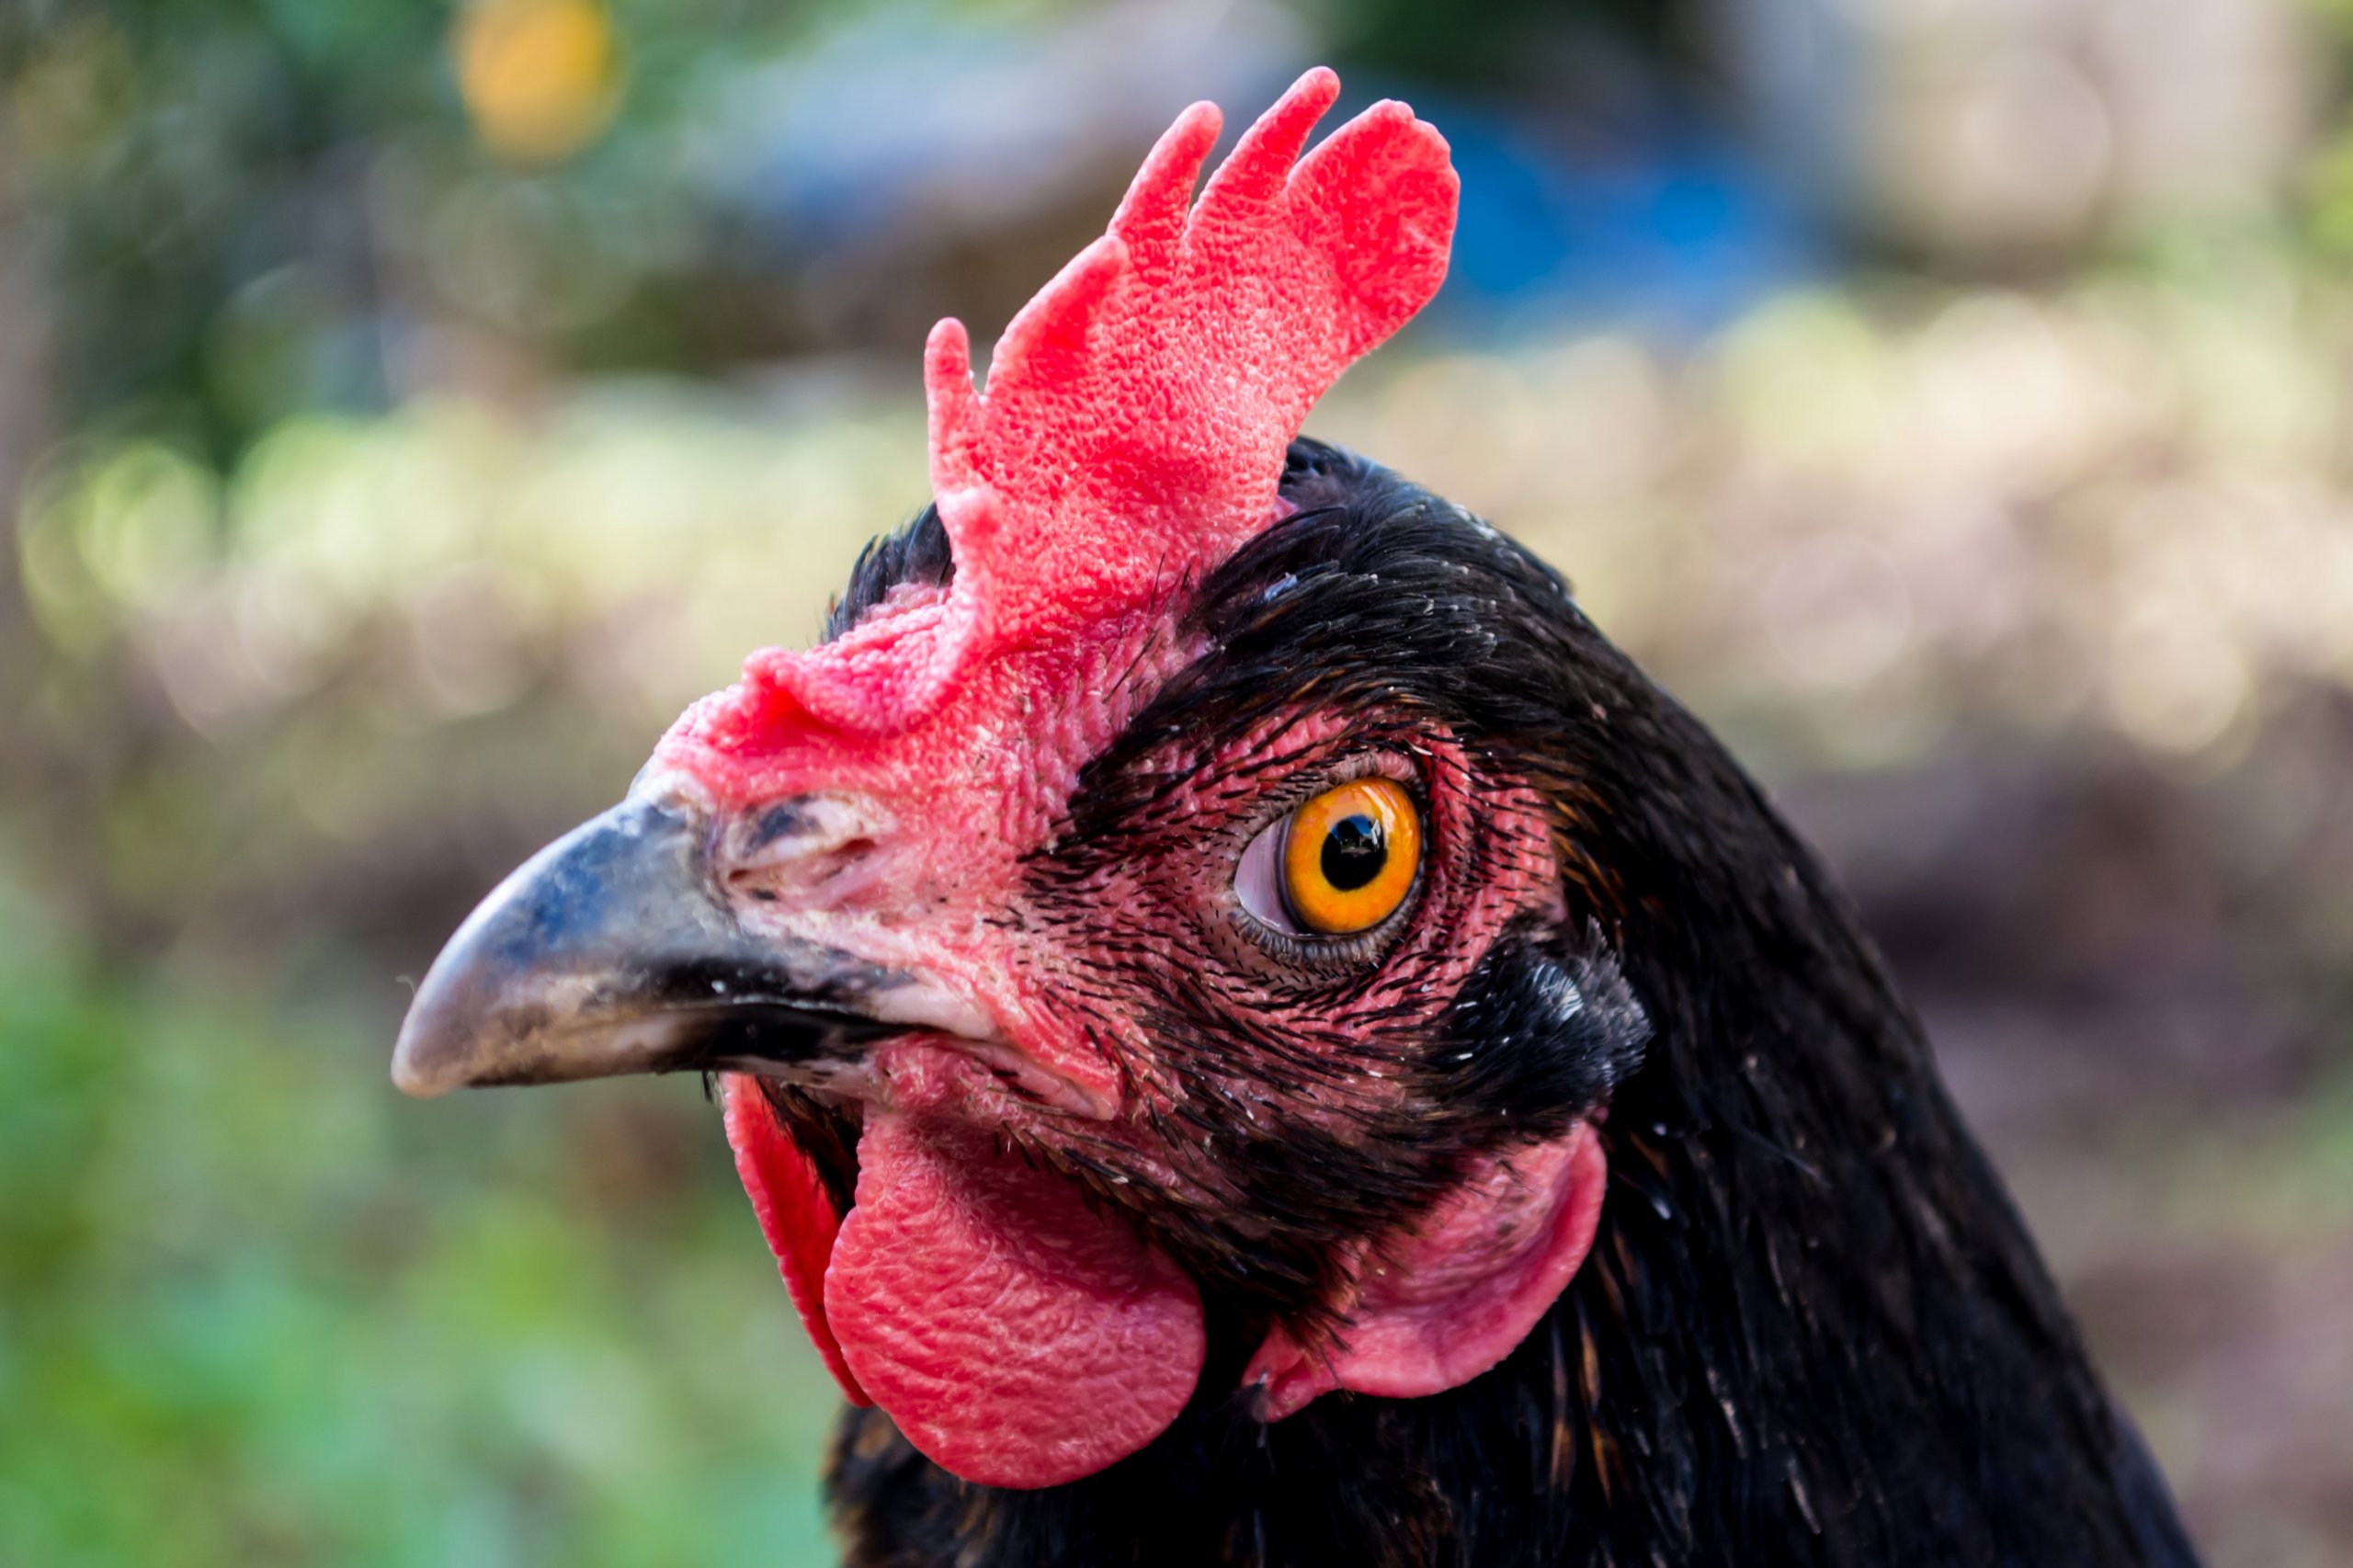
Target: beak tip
(412, 1085)
(415, 1074)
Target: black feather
(917, 554)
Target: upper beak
(614, 950)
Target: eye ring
(1336, 866)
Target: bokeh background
(406, 407)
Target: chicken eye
(1349, 857)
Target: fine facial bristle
(1134, 426)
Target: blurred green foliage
(254, 1308)
(255, 202)
(1482, 45)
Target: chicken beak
(613, 950)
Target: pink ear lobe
(1448, 1302)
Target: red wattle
(795, 1214)
(1018, 1337)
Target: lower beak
(613, 950)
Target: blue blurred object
(892, 141)
(1670, 226)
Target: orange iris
(1350, 854)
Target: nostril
(809, 824)
(775, 825)
(782, 825)
(802, 871)
(803, 843)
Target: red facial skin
(944, 891)
(950, 807)
(1060, 1063)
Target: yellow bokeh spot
(540, 78)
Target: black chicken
(1258, 1037)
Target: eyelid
(1258, 879)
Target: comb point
(1151, 218)
(1378, 199)
(1254, 171)
(952, 405)
(1046, 344)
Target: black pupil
(1354, 853)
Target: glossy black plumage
(1813, 1329)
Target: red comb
(1137, 410)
